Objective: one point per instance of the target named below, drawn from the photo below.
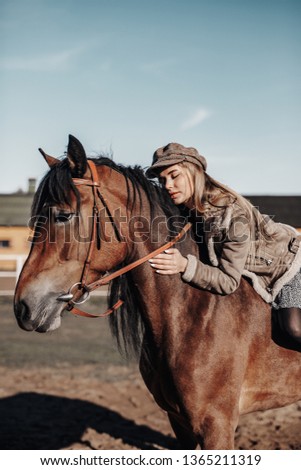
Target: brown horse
(205, 358)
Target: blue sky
(129, 76)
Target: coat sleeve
(224, 278)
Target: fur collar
(221, 220)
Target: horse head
(75, 236)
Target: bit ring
(83, 298)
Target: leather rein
(95, 239)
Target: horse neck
(161, 297)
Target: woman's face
(178, 182)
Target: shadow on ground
(39, 421)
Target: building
(285, 209)
(15, 211)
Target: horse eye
(63, 217)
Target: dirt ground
(71, 389)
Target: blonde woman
(239, 239)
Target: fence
(8, 279)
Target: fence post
(19, 265)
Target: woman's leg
(290, 322)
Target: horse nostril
(21, 309)
(22, 314)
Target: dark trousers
(288, 320)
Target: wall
(18, 245)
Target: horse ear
(51, 161)
(77, 157)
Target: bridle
(95, 240)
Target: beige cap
(172, 154)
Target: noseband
(95, 239)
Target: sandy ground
(71, 389)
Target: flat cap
(172, 154)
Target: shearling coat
(267, 252)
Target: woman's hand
(169, 262)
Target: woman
(240, 240)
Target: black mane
(126, 324)
(56, 185)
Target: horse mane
(56, 185)
(127, 323)
(54, 189)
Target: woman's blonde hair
(209, 194)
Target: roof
(285, 209)
(15, 209)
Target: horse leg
(217, 432)
(185, 437)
